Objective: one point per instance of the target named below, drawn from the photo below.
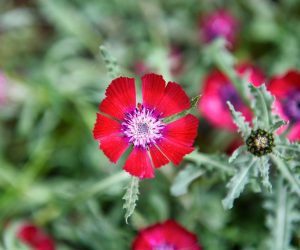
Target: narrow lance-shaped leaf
(184, 179)
(219, 162)
(277, 125)
(264, 169)
(289, 174)
(194, 103)
(131, 197)
(238, 118)
(236, 185)
(110, 62)
(261, 105)
(236, 153)
(281, 218)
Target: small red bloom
(218, 89)
(286, 89)
(122, 124)
(35, 237)
(219, 24)
(166, 236)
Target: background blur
(52, 80)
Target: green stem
(201, 158)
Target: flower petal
(138, 164)
(105, 126)
(173, 150)
(181, 238)
(183, 130)
(120, 98)
(174, 100)
(113, 146)
(153, 87)
(158, 159)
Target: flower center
(260, 142)
(291, 106)
(228, 93)
(164, 246)
(142, 127)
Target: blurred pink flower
(217, 90)
(286, 89)
(219, 24)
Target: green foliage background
(51, 171)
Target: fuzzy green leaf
(236, 185)
(236, 153)
(238, 118)
(289, 149)
(288, 173)
(277, 125)
(264, 168)
(211, 161)
(131, 197)
(281, 218)
(261, 105)
(110, 62)
(184, 178)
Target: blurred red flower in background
(219, 24)
(3, 88)
(217, 90)
(34, 237)
(168, 235)
(286, 89)
(122, 125)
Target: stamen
(142, 127)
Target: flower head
(34, 237)
(142, 128)
(286, 89)
(217, 90)
(219, 24)
(168, 235)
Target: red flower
(122, 125)
(218, 89)
(219, 24)
(35, 237)
(165, 236)
(286, 89)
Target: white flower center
(142, 127)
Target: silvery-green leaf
(282, 215)
(211, 161)
(131, 197)
(184, 178)
(264, 168)
(277, 125)
(237, 153)
(288, 173)
(110, 62)
(237, 184)
(261, 105)
(238, 118)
